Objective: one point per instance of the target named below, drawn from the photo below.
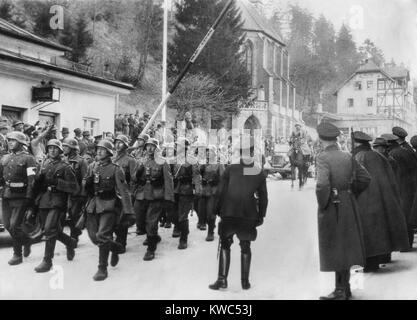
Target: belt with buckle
(16, 184)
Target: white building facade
(375, 99)
(85, 100)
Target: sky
(390, 24)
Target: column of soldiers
(367, 202)
(125, 183)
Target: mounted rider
(298, 142)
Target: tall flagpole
(164, 66)
(188, 65)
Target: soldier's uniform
(187, 184)
(128, 164)
(402, 134)
(243, 200)
(77, 200)
(210, 178)
(340, 233)
(406, 175)
(17, 172)
(108, 197)
(382, 218)
(139, 152)
(54, 182)
(154, 186)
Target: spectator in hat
(3, 141)
(64, 133)
(18, 125)
(78, 134)
(125, 125)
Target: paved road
(285, 264)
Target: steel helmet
(55, 143)
(72, 143)
(106, 144)
(123, 139)
(153, 141)
(413, 141)
(18, 136)
(145, 137)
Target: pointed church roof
(254, 21)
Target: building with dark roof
(272, 107)
(374, 99)
(38, 82)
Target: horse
(301, 163)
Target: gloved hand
(260, 221)
(127, 220)
(29, 215)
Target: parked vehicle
(279, 161)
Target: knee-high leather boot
(17, 253)
(103, 258)
(245, 259)
(224, 264)
(46, 263)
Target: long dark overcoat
(407, 180)
(383, 220)
(340, 233)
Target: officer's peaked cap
(327, 131)
(361, 136)
(399, 132)
(413, 141)
(389, 137)
(380, 142)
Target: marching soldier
(17, 173)
(154, 186)
(55, 181)
(339, 180)
(139, 151)
(128, 164)
(77, 200)
(406, 179)
(108, 203)
(383, 220)
(243, 200)
(187, 184)
(211, 174)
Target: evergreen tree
(6, 10)
(221, 58)
(347, 57)
(76, 36)
(369, 50)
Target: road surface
(285, 264)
